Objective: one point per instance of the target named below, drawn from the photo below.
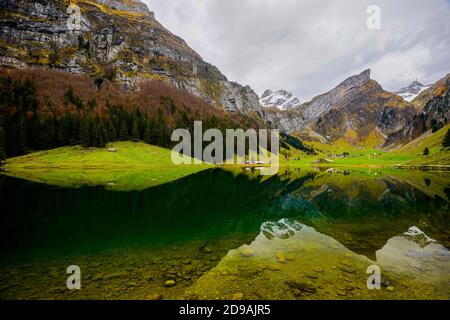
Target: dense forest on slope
(42, 109)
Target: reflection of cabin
(161, 71)
(253, 162)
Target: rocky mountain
(280, 99)
(358, 111)
(433, 105)
(410, 92)
(119, 40)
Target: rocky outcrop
(325, 102)
(434, 113)
(119, 40)
(134, 6)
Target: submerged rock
(237, 296)
(247, 252)
(281, 257)
(153, 297)
(302, 286)
(169, 283)
(116, 275)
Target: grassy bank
(132, 166)
(135, 165)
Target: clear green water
(303, 234)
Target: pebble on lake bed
(247, 252)
(153, 297)
(274, 267)
(281, 258)
(237, 296)
(169, 283)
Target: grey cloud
(309, 46)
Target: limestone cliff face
(120, 40)
(433, 107)
(358, 110)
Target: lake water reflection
(231, 234)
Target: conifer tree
(123, 134)
(135, 135)
(446, 142)
(2, 144)
(148, 133)
(84, 132)
(111, 131)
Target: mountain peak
(280, 99)
(357, 80)
(410, 92)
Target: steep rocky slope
(119, 40)
(433, 107)
(358, 110)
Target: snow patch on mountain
(280, 99)
(410, 92)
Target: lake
(231, 234)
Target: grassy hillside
(410, 154)
(133, 166)
(433, 141)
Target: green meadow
(136, 165)
(119, 166)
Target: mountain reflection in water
(304, 235)
(289, 260)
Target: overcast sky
(309, 46)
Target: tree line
(23, 128)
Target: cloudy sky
(309, 46)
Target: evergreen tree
(46, 134)
(123, 134)
(12, 139)
(101, 134)
(64, 129)
(135, 135)
(71, 98)
(93, 133)
(92, 104)
(111, 130)
(85, 138)
(148, 133)
(22, 131)
(446, 142)
(426, 152)
(2, 144)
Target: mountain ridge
(119, 40)
(355, 110)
